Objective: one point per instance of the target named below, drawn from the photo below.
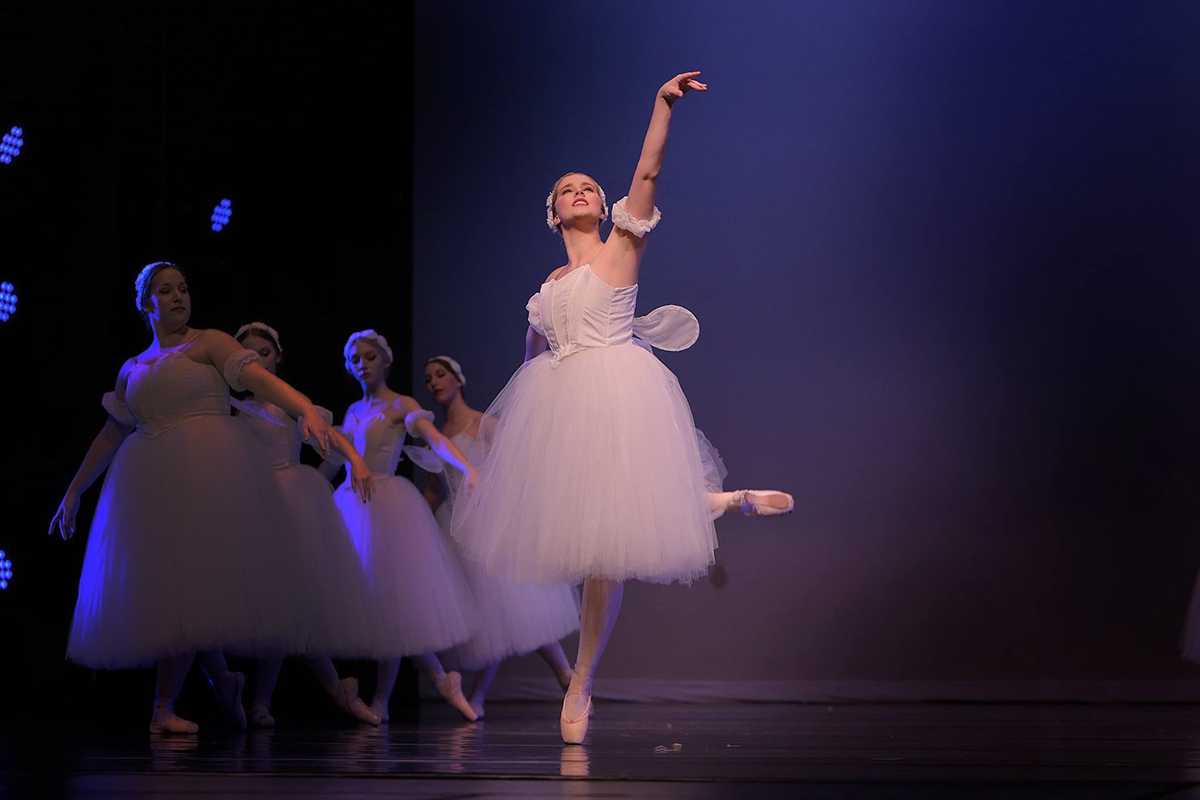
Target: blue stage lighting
(8, 301)
(221, 214)
(6, 572)
(11, 144)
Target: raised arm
(219, 347)
(623, 250)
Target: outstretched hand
(64, 518)
(313, 426)
(680, 85)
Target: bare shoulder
(553, 276)
(400, 407)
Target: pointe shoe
(260, 716)
(477, 707)
(347, 700)
(574, 729)
(165, 720)
(449, 686)
(380, 710)
(229, 696)
(764, 502)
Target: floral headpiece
(265, 328)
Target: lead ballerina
(589, 464)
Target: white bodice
(579, 311)
(280, 439)
(378, 439)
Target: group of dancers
(211, 537)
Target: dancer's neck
(458, 413)
(582, 246)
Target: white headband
(454, 367)
(142, 283)
(262, 326)
(371, 336)
(550, 205)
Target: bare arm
(218, 347)
(440, 444)
(618, 261)
(98, 457)
(535, 344)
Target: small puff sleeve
(534, 307)
(116, 406)
(626, 221)
(117, 409)
(410, 422)
(234, 366)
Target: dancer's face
(168, 301)
(577, 200)
(368, 364)
(441, 383)
(265, 349)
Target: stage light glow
(8, 301)
(11, 144)
(6, 572)
(221, 214)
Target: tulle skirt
(184, 553)
(417, 586)
(589, 467)
(347, 623)
(514, 618)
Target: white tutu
(417, 587)
(589, 466)
(346, 623)
(183, 550)
(514, 618)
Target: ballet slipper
(260, 716)
(165, 720)
(574, 728)
(764, 502)
(449, 686)
(347, 700)
(229, 697)
(477, 707)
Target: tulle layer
(416, 584)
(347, 623)
(589, 466)
(183, 553)
(514, 618)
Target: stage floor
(659, 751)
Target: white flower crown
(262, 326)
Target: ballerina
(180, 557)
(515, 619)
(589, 464)
(345, 627)
(417, 586)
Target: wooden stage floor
(650, 751)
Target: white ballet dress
(514, 618)
(588, 459)
(417, 586)
(347, 623)
(183, 550)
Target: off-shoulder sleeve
(410, 422)
(534, 307)
(638, 227)
(234, 366)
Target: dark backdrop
(138, 119)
